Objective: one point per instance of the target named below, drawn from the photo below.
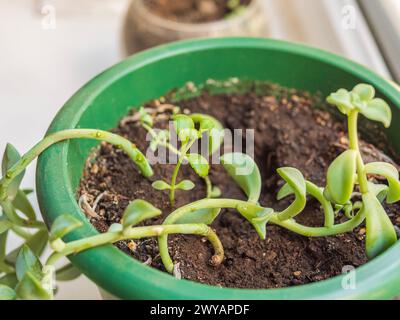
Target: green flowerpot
(108, 97)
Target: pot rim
(379, 278)
(139, 8)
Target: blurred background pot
(144, 29)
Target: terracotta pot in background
(144, 29)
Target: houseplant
(166, 284)
(145, 27)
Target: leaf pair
(30, 275)
(185, 185)
(362, 98)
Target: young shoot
(188, 134)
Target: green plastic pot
(108, 97)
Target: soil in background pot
(195, 11)
(291, 129)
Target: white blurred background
(50, 48)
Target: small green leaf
(215, 192)
(184, 125)
(185, 185)
(160, 185)
(213, 127)
(30, 288)
(6, 293)
(63, 225)
(199, 164)
(5, 225)
(297, 182)
(28, 262)
(378, 110)
(206, 216)
(391, 174)
(37, 243)
(115, 227)
(342, 100)
(10, 158)
(22, 203)
(284, 192)
(364, 91)
(138, 211)
(341, 177)
(245, 172)
(67, 273)
(380, 232)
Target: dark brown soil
(193, 11)
(289, 132)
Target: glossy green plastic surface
(105, 99)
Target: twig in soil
(86, 207)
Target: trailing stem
(75, 247)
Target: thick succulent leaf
(378, 110)
(380, 232)
(342, 100)
(37, 243)
(296, 181)
(379, 190)
(67, 273)
(10, 158)
(199, 164)
(5, 225)
(30, 288)
(7, 293)
(214, 129)
(160, 185)
(28, 262)
(138, 211)
(185, 185)
(364, 91)
(63, 225)
(341, 177)
(206, 216)
(391, 174)
(22, 203)
(245, 172)
(284, 192)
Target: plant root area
(292, 128)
